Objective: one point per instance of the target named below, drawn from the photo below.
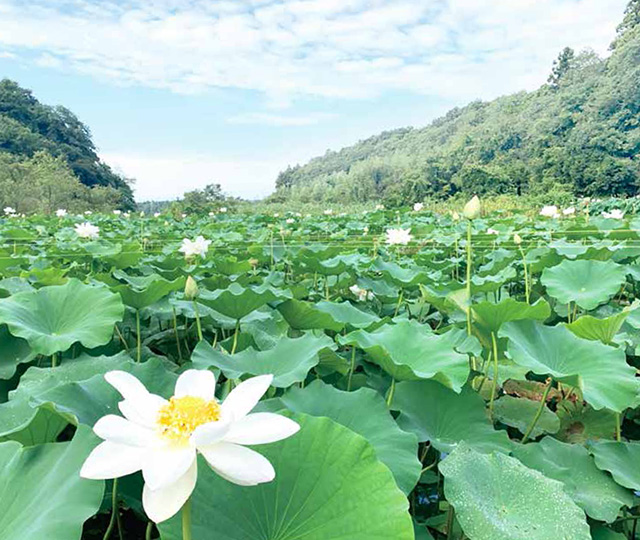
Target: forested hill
(578, 133)
(31, 129)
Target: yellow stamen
(179, 418)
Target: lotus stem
(235, 337)
(450, 515)
(618, 427)
(527, 290)
(198, 323)
(543, 403)
(186, 520)
(54, 360)
(469, 277)
(114, 510)
(175, 332)
(392, 390)
(147, 534)
(400, 299)
(124, 341)
(351, 368)
(494, 385)
(138, 337)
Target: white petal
(119, 430)
(125, 383)
(238, 464)
(110, 460)
(245, 396)
(197, 383)
(261, 428)
(165, 464)
(164, 503)
(210, 433)
(142, 409)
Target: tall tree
(561, 66)
(630, 21)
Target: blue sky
(180, 93)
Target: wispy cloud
(281, 120)
(460, 49)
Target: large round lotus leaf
(497, 498)
(29, 426)
(142, 291)
(365, 412)
(490, 317)
(411, 351)
(325, 315)
(588, 283)
(13, 351)
(41, 493)
(580, 423)
(604, 330)
(439, 415)
(520, 412)
(599, 371)
(52, 319)
(237, 301)
(329, 485)
(289, 361)
(592, 489)
(404, 277)
(621, 459)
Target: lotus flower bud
(473, 208)
(191, 289)
(517, 239)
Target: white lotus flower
(418, 207)
(142, 214)
(8, 211)
(88, 212)
(156, 214)
(211, 214)
(492, 231)
(379, 206)
(162, 438)
(365, 231)
(569, 211)
(191, 248)
(223, 210)
(362, 294)
(614, 214)
(61, 212)
(117, 212)
(398, 237)
(87, 230)
(328, 212)
(290, 221)
(550, 211)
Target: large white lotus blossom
(8, 211)
(569, 211)
(550, 211)
(362, 294)
(61, 212)
(418, 207)
(192, 248)
(614, 214)
(162, 437)
(398, 237)
(87, 230)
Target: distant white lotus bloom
(127, 214)
(379, 206)
(156, 214)
(550, 211)
(398, 237)
(328, 212)
(141, 214)
(87, 230)
(569, 211)
(614, 214)
(223, 210)
(290, 221)
(517, 239)
(492, 231)
(361, 294)
(9, 211)
(276, 215)
(88, 212)
(192, 248)
(418, 207)
(365, 231)
(163, 438)
(117, 212)
(211, 214)
(455, 216)
(298, 214)
(61, 212)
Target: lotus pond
(389, 375)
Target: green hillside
(577, 134)
(39, 143)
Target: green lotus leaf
(599, 371)
(325, 315)
(41, 492)
(602, 533)
(289, 361)
(446, 419)
(365, 412)
(490, 317)
(604, 330)
(237, 301)
(588, 283)
(621, 459)
(328, 485)
(580, 423)
(498, 498)
(403, 277)
(591, 489)
(13, 351)
(519, 413)
(52, 319)
(140, 292)
(27, 425)
(411, 351)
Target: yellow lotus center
(179, 418)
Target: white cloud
(458, 49)
(281, 120)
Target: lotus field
(383, 375)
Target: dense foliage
(578, 134)
(29, 132)
(453, 378)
